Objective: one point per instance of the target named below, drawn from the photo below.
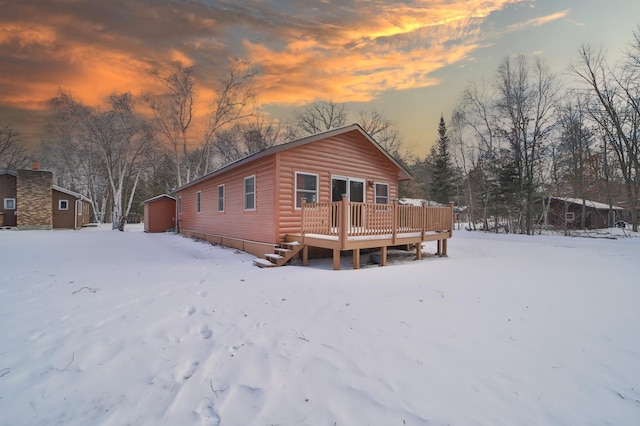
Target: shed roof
(157, 197)
(404, 173)
(593, 204)
(71, 193)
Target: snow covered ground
(111, 328)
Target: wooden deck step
(283, 253)
(264, 263)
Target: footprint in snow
(207, 413)
(190, 310)
(205, 331)
(203, 293)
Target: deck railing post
(396, 222)
(344, 221)
(302, 228)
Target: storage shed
(159, 213)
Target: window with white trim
(220, 198)
(179, 207)
(198, 201)
(569, 216)
(382, 193)
(9, 203)
(250, 193)
(306, 188)
(63, 204)
(80, 208)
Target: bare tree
(525, 108)
(173, 113)
(320, 116)
(118, 139)
(384, 131)
(233, 102)
(615, 110)
(248, 138)
(13, 153)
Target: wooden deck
(344, 225)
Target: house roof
(593, 204)
(8, 172)
(157, 197)
(404, 173)
(71, 193)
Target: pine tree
(443, 170)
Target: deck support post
(444, 247)
(336, 259)
(383, 256)
(356, 258)
(344, 221)
(305, 255)
(418, 251)
(439, 250)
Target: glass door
(354, 188)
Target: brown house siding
(347, 155)
(65, 219)
(34, 198)
(347, 152)
(7, 190)
(234, 222)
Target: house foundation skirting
(252, 247)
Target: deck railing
(346, 219)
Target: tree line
(511, 143)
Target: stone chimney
(34, 198)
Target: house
(159, 213)
(336, 191)
(566, 213)
(30, 200)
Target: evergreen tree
(442, 188)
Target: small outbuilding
(70, 210)
(567, 213)
(159, 213)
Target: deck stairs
(284, 252)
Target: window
(382, 193)
(9, 203)
(220, 198)
(179, 207)
(569, 216)
(250, 193)
(63, 204)
(198, 201)
(306, 188)
(80, 208)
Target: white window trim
(79, 203)
(375, 192)
(6, 200)
(221, 199)
(60, 205)
(295, 194)
(244, 186)
(199, 202)
(349, 180)
(569, 216)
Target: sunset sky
(407, 59)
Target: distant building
(567, 213)
(30, 200)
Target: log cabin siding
(234, 221)
(348, 155)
